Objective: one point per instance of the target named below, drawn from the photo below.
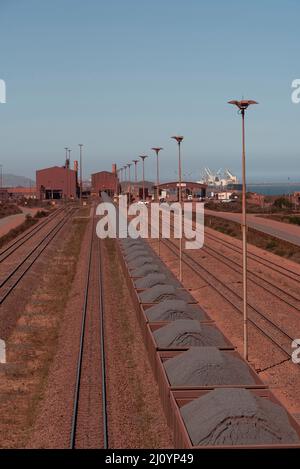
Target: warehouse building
(189, 189)
(22, 192)
(4, 195)
(105, 181)
(57, 183)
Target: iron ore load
(211, 396)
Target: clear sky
(121, 76)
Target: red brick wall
(104, 180)
(57, 178)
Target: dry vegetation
(7, 209)
(29, 221)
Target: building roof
(52, 168)
(21, 190)
(188, 184)
(104, 172)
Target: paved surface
(284, 231)
(12, 221)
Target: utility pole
(66, 166)
(135, 174)
(143, 157)
(242, 106)
(69, 173)
(81, 170)
(129, 164)
(157, 150)
(179, 139)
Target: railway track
(12, 279)
(280, 338)
(282, 294)
(89, 416)
(273, 266)
(28, 235)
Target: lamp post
(1, 176)
(67, 165)
(118, 180)
(135, 173)
(125, 172)
(157, 150)
(121, 178)
(129, 179)
(143, 157)
(81, 171)
(242, 106)
(66, 148)
(69, 173)
(179, 139)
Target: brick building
(105, 181)
(56, 183)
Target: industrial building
(4, 195)
(105, 181)
(57, 182)
(169, 190)
(22, 192)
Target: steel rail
(81, 343)
(189, 261)
(51, 235)
(255, 257)
(217, 255)
(103, 361)
(28, 235)
(79, 369)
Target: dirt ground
(135, 415)
(30, 328)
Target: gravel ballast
(207, 366)
(188, 332)
(170, 310)
(236, 417)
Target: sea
(274, 188)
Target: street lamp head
(243, 104)
(178, 138)
(143, 157)
(157, 149)
(129, 164)
(135, 161)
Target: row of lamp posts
(242, 106)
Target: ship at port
(221, 179)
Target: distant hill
(11, 180)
